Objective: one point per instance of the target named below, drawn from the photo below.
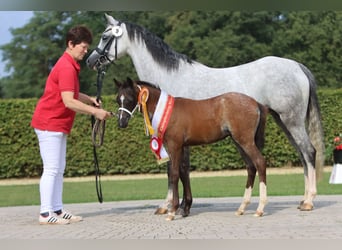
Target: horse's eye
(104, 37)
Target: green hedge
(127, 151)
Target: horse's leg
(299, 138)
(308, 156)
(163, 208)
(185, 178)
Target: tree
(223, 38)
(32, 52)
(314, 39)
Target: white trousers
(52, 147)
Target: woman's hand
(94, 102)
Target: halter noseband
(116, 33)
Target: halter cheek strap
(122, 108)
(117, 32)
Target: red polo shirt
(50, 113)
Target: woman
(53, 119)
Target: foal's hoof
(161, 210)
(185, 214)
(239, 212)
(258, 214)
(182, 212)
(170, 217)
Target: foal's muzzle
(123, 120)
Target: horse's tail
(314, 123)
(260, 133)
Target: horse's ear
(110, 20)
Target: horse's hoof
(306, 207)
(239, 212)
(161, 210)
(258, 214)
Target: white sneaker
(69, 216)
(52, 219)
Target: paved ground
(239, 172)
(209, 219)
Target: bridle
(103, 53)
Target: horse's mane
(160, 51)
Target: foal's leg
(262, 186)
(163, 208)
(260, 164)
(255, 162)
(251, 170)
(185, 178)
(175, 153)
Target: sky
(11, 19)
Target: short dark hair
(79, 34)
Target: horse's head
(111, 45)
(127, 99)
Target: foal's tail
(260, 133)
(314, 122)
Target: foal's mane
(147, 84)
(161, 52)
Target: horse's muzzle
(94, 60)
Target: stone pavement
(211, 218)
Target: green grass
(118, 190)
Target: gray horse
(285, 86)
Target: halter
(137, 106)
(116, 33)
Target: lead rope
(98, 128)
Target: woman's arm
(88, 99)
(80, 105)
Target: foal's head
(127, 99)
